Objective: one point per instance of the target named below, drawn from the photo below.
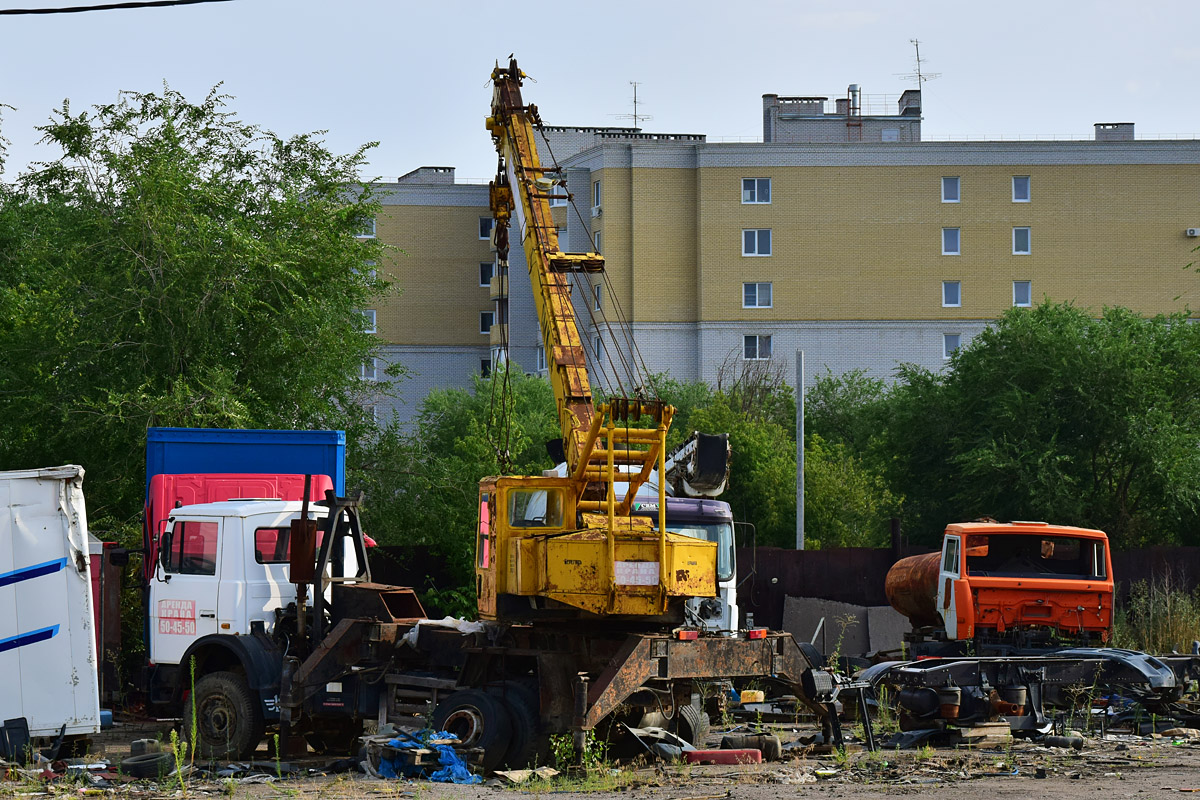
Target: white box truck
(47, 641)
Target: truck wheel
(478, 720)
(528, 747)
(692, 725)
(226, 715)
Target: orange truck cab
(1019, 583)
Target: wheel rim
(466, 723)
(217, 720)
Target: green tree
(1054, 414)
(176, 266)
(422, 479)
(845, 503)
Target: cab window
(483, 543)
(272, 545)
(535, 508)
(950, 556)
(193, 549)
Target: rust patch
(682, 575)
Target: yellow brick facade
(435, 264)
(856, 243)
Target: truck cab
(222, 568)
(710, 520)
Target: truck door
(183, 600)
(950, 572)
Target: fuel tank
(911, 588)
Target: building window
(756, 295)
(1021, 241)
(595, 194)
(951, 294)
(368, 270)
(485, 227)
(1020, 188)
(756, 347)
(598, 292)
(951, 241)
(756, 242)
(368, 230)
(369, 370)
(541, 358)
(485, 273)
(599, 346)
(756, 190)
(950, 343)
(950, 190)
(485, 321)
(1022, 294)
(558, 196)
(485, 367)
(368, 321)
(596, 237)
(889, 135)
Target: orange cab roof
(1030, 528)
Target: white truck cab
(222, 569)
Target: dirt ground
(1120, 766)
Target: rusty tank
(911, 588)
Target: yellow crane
(553, 547)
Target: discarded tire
(148, 765)
(338, 737)
(226, 716)
(478, 719)
(692, 725)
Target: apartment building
(842, 234)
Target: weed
(924, 752)
(1160, 616)
(844, 621)
(595, 752)
(179, 752)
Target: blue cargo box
(184, 451)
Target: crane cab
(538, 556)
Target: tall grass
(1160, 616)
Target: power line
(105, 7)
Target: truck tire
(528, 747)
(478, 719)
(692, 725)
(227, 717)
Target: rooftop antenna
(637, 118)
(919, 76)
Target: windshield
(721, 533)
(1025, 555)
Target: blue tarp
(453, 770)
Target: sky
(414, 76)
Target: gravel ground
(1117, 767)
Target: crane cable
(637, 370)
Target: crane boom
(547, 544)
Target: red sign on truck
(177, 617)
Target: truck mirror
(118, 556)
(302, 555)
(164, 550)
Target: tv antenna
(919, 76)
(637, 118)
